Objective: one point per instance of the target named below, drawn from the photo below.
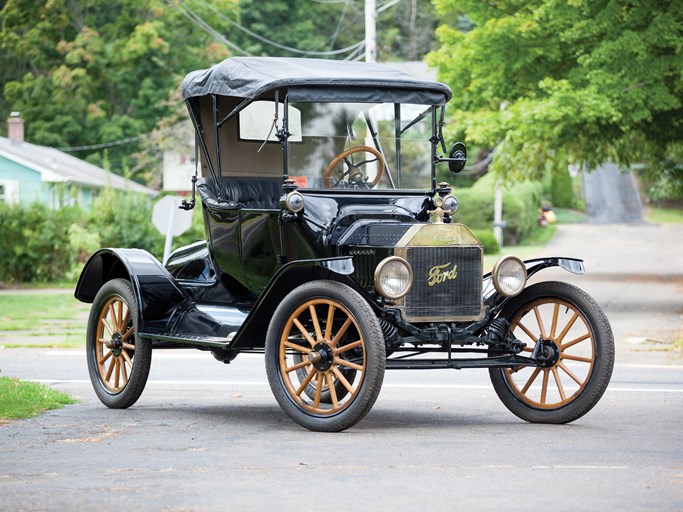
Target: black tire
(118, 360)
(334, 320)
(579, 329)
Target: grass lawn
(567, 216)
(664, 215)
(25, 399)
(50, 318)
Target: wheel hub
(321, 356)
(115, 343)
(547, 353)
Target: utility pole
(370, 31)
(498, 222)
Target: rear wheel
(579, 351)
(118, 360)
(325, 356)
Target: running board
(458, 364)
(191, 339)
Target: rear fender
(533, 266)
(156, 292)
(252, 333)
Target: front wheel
(118, 359)
(325, 356)
(579, 348)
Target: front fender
(533, 266)
(155, 289)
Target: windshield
(362, 146)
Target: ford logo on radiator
(442, 273)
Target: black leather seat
(241, 192)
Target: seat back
(242, 192)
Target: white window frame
(10, 193)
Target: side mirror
(457, 158)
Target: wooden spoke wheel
(341, 386)
(325, 356)
(118, 361)
(578, 352)
(353, 170)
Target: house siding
(30, 185)
(31, 173)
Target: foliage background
(552, 82)
(41, 244)
(91, 73)
(539, 84)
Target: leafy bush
(124, 219)
(488, 240)
(520, 210)
(666, 183)
(41, 244)
(520, 207)
(561, 189)
(36, 242)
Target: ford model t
(331, 248)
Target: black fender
(533, 266)
(156, 292)
(252, 333)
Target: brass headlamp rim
(378, 272)
(496, 282)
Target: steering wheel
(354, 172)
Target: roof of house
(58, 167)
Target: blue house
(30, 173)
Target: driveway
(612, 196)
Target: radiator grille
(454, 274)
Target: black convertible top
(313, 80)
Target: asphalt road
(209, 437)
(205, 436)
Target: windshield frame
(398, 131)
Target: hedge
(561, 189)
(488, 240)
(41, 244)
(520, 207)
(36, 244)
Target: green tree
(86, 72)
(551, 82)
(405, 31)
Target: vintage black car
(331, 248)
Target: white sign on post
(170, 220)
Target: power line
(276, 44)
(119, 142)
(102, 145)
(358, 51)
(199, 21)
(387, 5)
(333, 37)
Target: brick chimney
(15, 128)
